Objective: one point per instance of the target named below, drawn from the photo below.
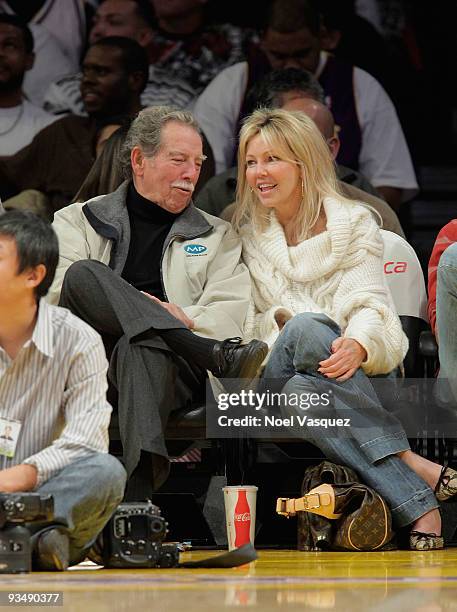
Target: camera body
(15, 550)
(134, 538)
(25, 508)
(15, 541)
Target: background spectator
(189, 47)
(446, 237)
(59, 30)
(132, 19)
(372, 138)
(59, 157)
(106, 175)
(20, 120)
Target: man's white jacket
(201, 269)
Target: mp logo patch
(195, 249)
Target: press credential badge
(9, 435)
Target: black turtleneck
(149, 226)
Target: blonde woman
(320, 303)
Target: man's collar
(109, 217)
(43, 334)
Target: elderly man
(165, 287)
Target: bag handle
(320, 500)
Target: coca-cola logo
(244, 517)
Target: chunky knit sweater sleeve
(364, 308)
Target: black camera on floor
(134, 538)
(15, 540)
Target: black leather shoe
(236, 360)
(52, 550)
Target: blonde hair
(296, 138)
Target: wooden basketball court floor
(286, 580)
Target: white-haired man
(165, 289)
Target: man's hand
(347, 356)
(174, 310)
(21, 477)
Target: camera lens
(156, 526)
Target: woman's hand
(347, 356)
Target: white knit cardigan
(338, 272)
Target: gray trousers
(86, 493)
(370, 445)
(149, 379)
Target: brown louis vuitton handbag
(338, 512)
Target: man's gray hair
(146, 132)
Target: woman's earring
(302, 188)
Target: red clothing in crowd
(446, 237)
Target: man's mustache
(186, 185)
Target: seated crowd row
(298, 275)
(130, 63)
(167, 289)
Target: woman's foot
(429, 471)
(446, 486)
(426, 532)
(443, 480)
(425, 541)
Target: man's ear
(34, 276)
(330, 39)
(137, 160)
(145, 37)
(334, 144)
(136, 81)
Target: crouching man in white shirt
(53, 399)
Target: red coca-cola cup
(240, 502)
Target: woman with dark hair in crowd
(105, 176)
(320, 302)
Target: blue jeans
(446, 322)
(86, 493)
(371, 446)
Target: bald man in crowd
(298, 90)
(372, 137)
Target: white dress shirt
(56, 386)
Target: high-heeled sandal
(446, 487)
(425, 541)
(320, 500)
